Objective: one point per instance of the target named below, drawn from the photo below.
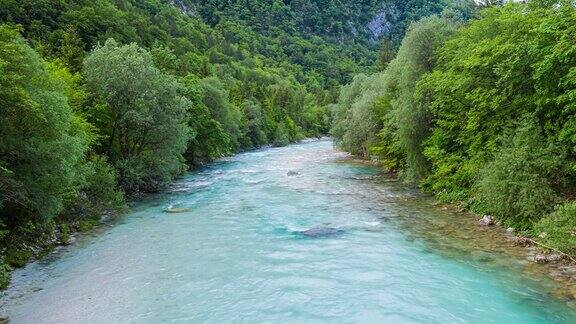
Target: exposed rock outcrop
(185, 7)
(381, 25)
(487, 220)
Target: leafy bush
(515, 186)
(98, 194)
(356, 119)
(386, 149)
(558, 229)
(18, 257)
(511, 62)
(4, 274)
(281, 136)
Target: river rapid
(378, 251)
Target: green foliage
(98, 195)
(343, 21)
(64, 234)
(389, 98)
(209, 140)
(4, 274)
(42, 143)
(141, 115)
(453, 110)
(5, 269)
(558, 229)
(281, 136)
(415, 57)
(355, 121)
(18, 258)
(515, 186)
(215, 97)
(479, 88)
(253, 124)
(386, 149)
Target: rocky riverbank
(479, 235)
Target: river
(241, 255)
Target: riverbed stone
(569, 270)
(177, 210)
(555, 257)
(522, 241)
(487, 220)
(293, 173)
(319, 232)
(540, 258)
(547, 258)
(482, 256)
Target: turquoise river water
(239, 255)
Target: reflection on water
(336, 242)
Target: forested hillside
(102, 101)
(479, 113)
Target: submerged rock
(293, 173)
(482, 256)
(177, 210)
(569, 270)
(487, 220)
(4, 319)
(319, 232)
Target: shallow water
(239, 255)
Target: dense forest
(104, 101)
(480, 113)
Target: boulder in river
(320, 232)
(172, 210)
(487, 220)
(4, 319)
(293, 173)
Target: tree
(416, 57)
(253, 123)
(42, 144)
(141, 115)
(515, 186)
(216, 99)
(209, 140)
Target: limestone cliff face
(186, 7)
(383, 22)
(344, 21)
